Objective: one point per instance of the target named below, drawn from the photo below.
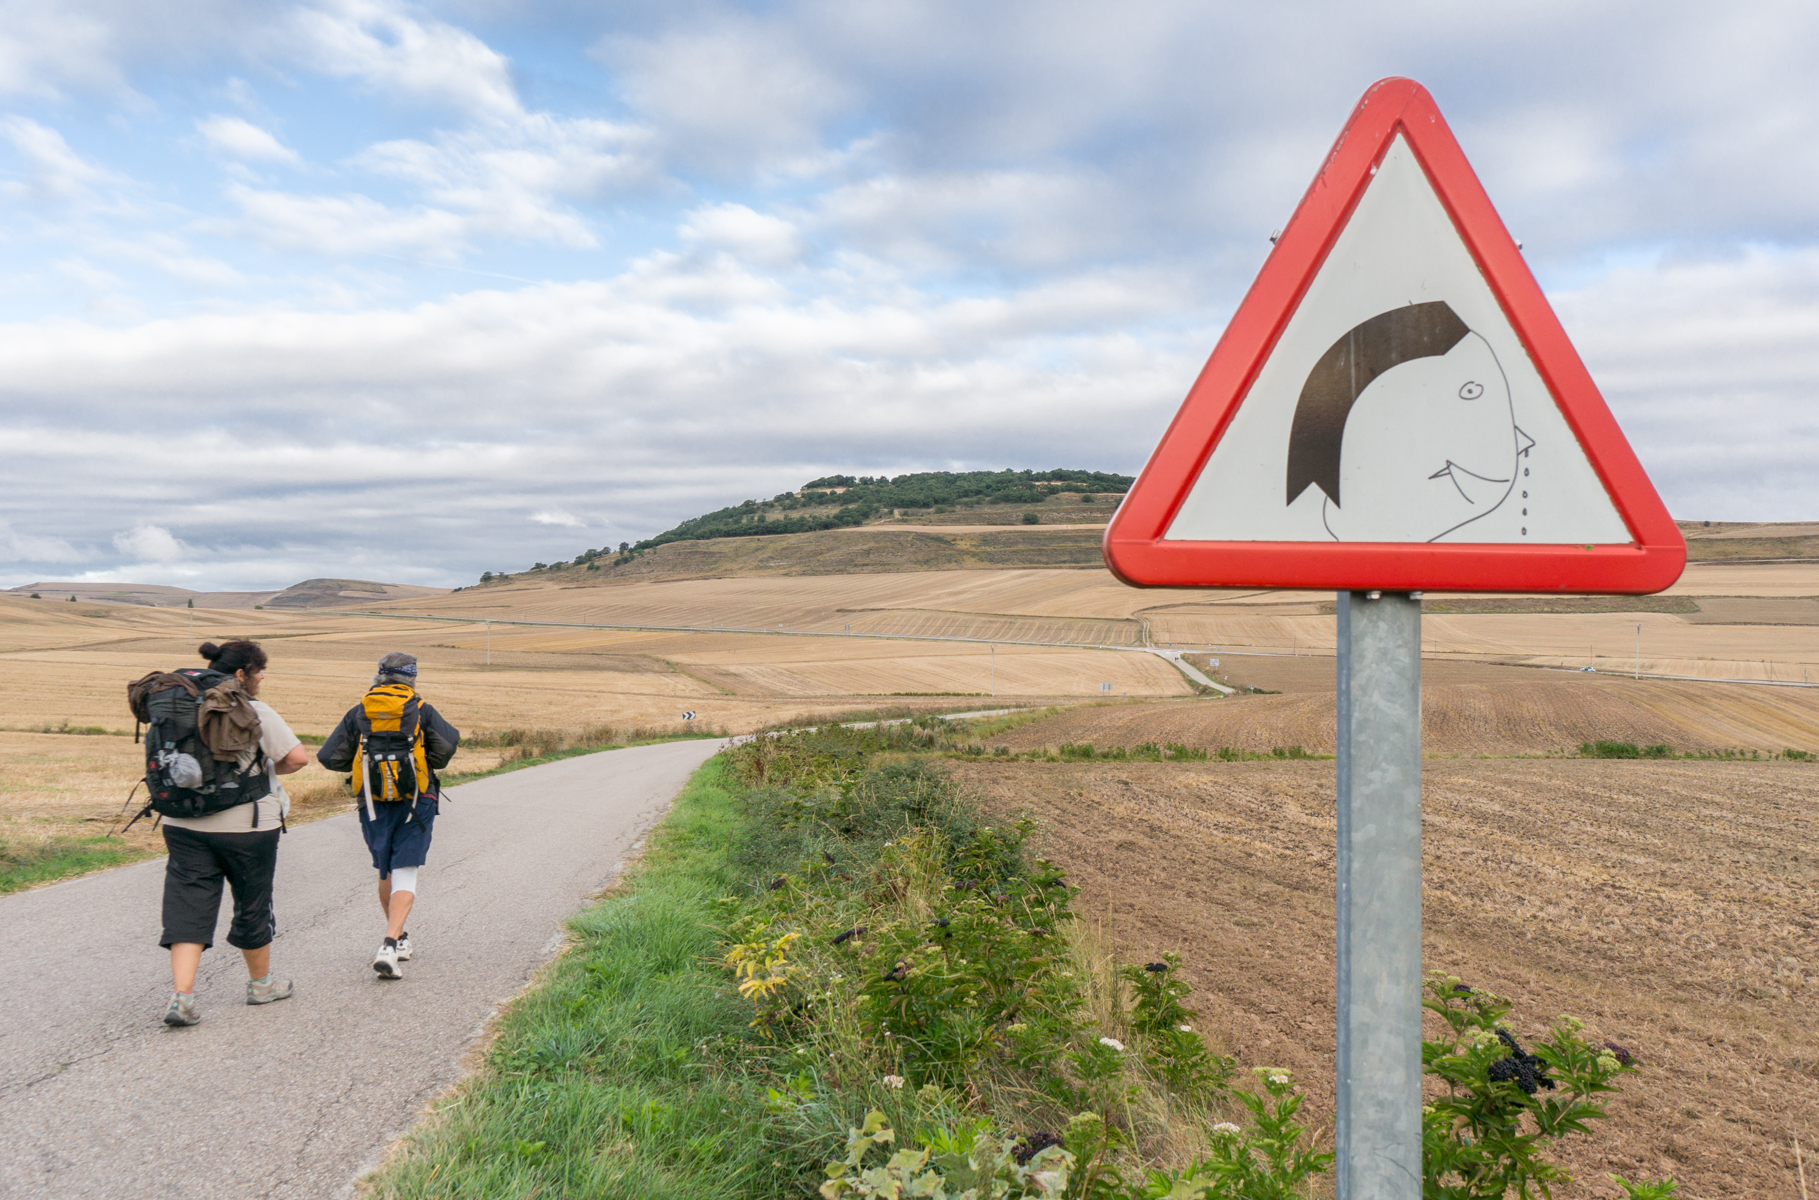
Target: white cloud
(52, 170)
(386, 47)
(743, 232)
(44, 45)
(731, 94)
(511, 179)
(341, 225)
(240, 138)
(26, 547)
(806, 238)
(151, 543)
(1709, 366)
(694, 381)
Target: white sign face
(1399, 405)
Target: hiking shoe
(264, 991)
(386, 961)
(404, 946)
(182, 1010)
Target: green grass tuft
(27, 864)
(611, 1079)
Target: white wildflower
(1185, 1028)
(1114, 1043)
(1226, 1127)
(893, 1081)
(1278, 1078)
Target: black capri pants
(199, 863)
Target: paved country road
(298, 1098)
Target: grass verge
(29, 864)
(610, 1077)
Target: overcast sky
(412, 291)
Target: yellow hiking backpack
(393, 765)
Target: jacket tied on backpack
(201, 743)
(228, 724)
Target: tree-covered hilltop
(843, 501)
(840, 501)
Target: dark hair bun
(209, 651)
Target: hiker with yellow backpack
(392, 744)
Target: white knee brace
(404, 879)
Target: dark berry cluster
(1524, 1070)
(1032, 1145)
(1619, 1053)
(1155, 967)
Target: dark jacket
(439, 742)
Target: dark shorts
(199, 863)
(399, 834)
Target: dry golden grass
(59, 785)
(67, 663)
(1734, 640)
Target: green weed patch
(830, 975)
(27, 864)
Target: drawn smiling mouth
(1469, 481)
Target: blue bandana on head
(406, 669)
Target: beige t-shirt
(275, 741)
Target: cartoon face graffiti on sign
(1397, 404)
(1408, 403)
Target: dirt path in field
(1670, 905)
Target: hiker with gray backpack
(392, 744)
(213, 754)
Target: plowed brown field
(1505, 711)
(1670, 905)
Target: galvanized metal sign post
(1378, 1092)
(1393, 408)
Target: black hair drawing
(1349, 366)
(1364, 354)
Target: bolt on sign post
(1394, 408)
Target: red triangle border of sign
(1135, 548)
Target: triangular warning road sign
(1395, 405)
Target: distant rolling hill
(345, 593)
(311, 593)
(940, 520)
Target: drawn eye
(1471, 391)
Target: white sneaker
(386, 961)
(404, 946)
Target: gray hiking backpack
(184, 776)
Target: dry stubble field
(1666, 902)
(1467, 709)
(66, 667)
